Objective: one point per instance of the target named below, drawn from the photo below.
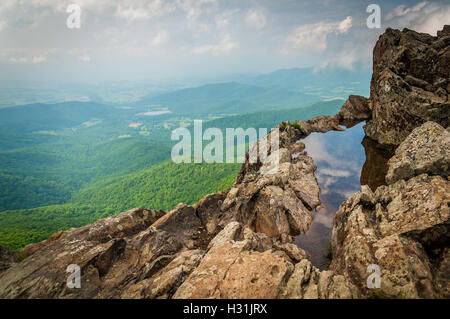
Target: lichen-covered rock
(404, 229)
(113, 254)
(425, 150)
(244, 264)
(166, 280)
(354, 110)
(238, 265)
(207, 210)
(410, 84)
(7, 258)
(307, 282)
(278, 202)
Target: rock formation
(425, 150)
(410, 84)
(238, 243)
(7, 258)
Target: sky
(123, 40)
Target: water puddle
(339, 157)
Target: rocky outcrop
(410, 84)
(7, 258)
(355, 110)
(404, 229)
(425, 150)
(244, 264)
(279, 203)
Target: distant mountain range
(282, 89)
(229, 98)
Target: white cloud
(18, 60)
(38, 59)
(85, 58)
(256, 19)
(345, 25)
(346, 58)
(223, 19)
(132, 14)
(138, 10)
(160, 38)
(314, 36)
(34, 60)
(194, 9)
(401, 10)
(423, 17)
(335, 172)
(225, 45)
(2, 25)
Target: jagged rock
(307, 282)
(410, 84)
(7, 258)
(114, 254)
(425, 150)
(207, 210)
(279, 202)
(404, 229)
(354, 110)
(320, 124)
(164, 283)
(237, 265)
(232, 270)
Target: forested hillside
(95, 164)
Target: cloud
(160, 38)
(256, 19)
(194, 9)
(401, 10)
(85, 58)
(18, 60)
(335, 172)
(137, 10)
(38, 59)
(223, 19)
(33, 60)
(313, 37)
(132, 14)
(225, 45)
(345, 25)
(423, 17)
(347, 58)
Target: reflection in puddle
(339, 157)
(375, 168)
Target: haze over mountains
(308, 84)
